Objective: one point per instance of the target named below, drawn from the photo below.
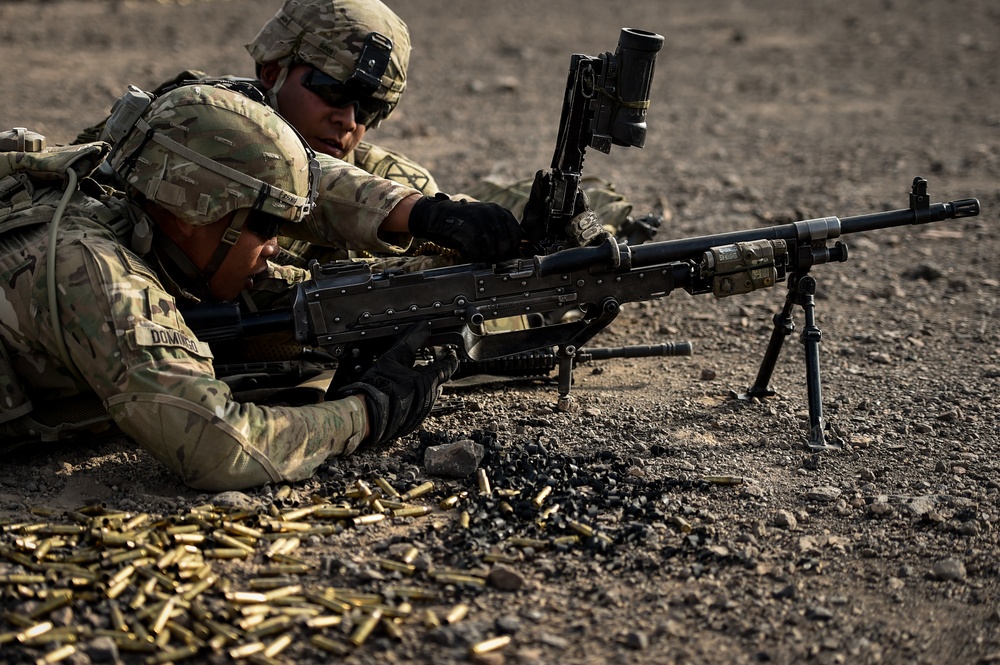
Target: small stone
(637, 640)
(553, 641)
(102, 650)
(232, 499)
(505, 578)
(949, 570)
(783, 519)
(823, 494)
(819, 614)
(708, 374)
(455, 460)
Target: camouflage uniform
(115, 330)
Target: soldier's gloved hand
(582, 230)
(481, 232)
(398, 395)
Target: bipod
(801, 292)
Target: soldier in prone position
(89, 302)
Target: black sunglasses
(367, 109)
(263, 225)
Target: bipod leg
(811, 336)
(783, 327)
(565, 355)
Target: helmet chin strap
(272, 93)
(196, 280)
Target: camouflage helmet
(201, 152)
(331, 35)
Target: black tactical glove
(481, 232)
(399, 395)
(582, 230)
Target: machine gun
(354, 315)
(605, 104)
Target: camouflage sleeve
(351, 207)
(395, 166)
(157, 381)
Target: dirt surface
(883, 551)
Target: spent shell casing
(365, 628)
(59, 654)
(227, 553)
(386, 487)
(459, 579)
(284, 569)
(584, 530)
(329, 645)
(533, 543)
(270, 626)
(299, 513)
(419, 490)
(410, 555)
(369, 519)
(723, 480)
(283, 492)
(244, 650)
(413, 593)
(397, 566)
(242, 530)
(278, 645)
(464, 519)
(62, 653)
(336, 512)
(457, 613)
(681, 523)
(449, 502)
(542, 494)
(412, 511)
(161, 619)
(34, 631)
(173, 655)
(283, 592)
(324, 621)
(496, 557)
(483, 481)
(117, 618)
(246, 597)
(490, 645)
